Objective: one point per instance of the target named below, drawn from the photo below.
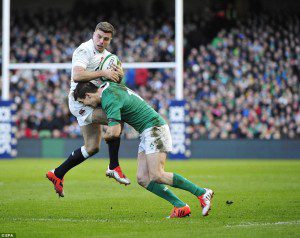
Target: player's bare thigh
(142, 170)
(156, 167)
(92, 137)
(99, 116)
(92, 132)
(85, 114)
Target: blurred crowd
(244, 84)
(42, 107)
(51, 36)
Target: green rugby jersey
(121, 103)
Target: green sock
(162, 191)
(183, 183)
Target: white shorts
(156, 139)
(84, 114)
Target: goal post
(5, 48)
(179, 48)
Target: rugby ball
(107, 63)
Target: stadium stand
(245, 83)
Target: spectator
(141, 77)
(244, 84)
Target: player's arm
(112, 104)
(80, 74)
(80, 60)
(112, 132)
(99, 116)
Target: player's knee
(157, 177)
(142, 180)
(92, 150)
(95, 150)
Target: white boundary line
(57, 220)
(251, 224)
(75, 220)
(247, 224)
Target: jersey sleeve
(80, 57)
(112, 105)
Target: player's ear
(89, 95)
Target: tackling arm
(112, 132)
(82, 75)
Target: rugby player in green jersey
(123, 105)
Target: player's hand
(111, 75)
(106, 138)
(119, 70)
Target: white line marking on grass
(249, 224)
(203, 176)
(76, 220)
(57, 219)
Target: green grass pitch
(265, 195)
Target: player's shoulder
(104, 86)
(106, 89)
(107, 96)
(111, 88)
(85, 48)
(107, 53)
(87, 45)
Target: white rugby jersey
(88, 57)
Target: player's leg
(156, 162)
(84, 117)
(87, 115)
(142, 176)
(99, 116)
(92, 135)
(156, 166)
(157, 173)
(160, 190)
(114, 169)
(143, 179)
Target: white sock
(84, 152)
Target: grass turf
(265, 195)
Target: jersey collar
(103, 87)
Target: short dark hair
(106, 27)
(82, 88)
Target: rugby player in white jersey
(85, 67)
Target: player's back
(133, 109)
